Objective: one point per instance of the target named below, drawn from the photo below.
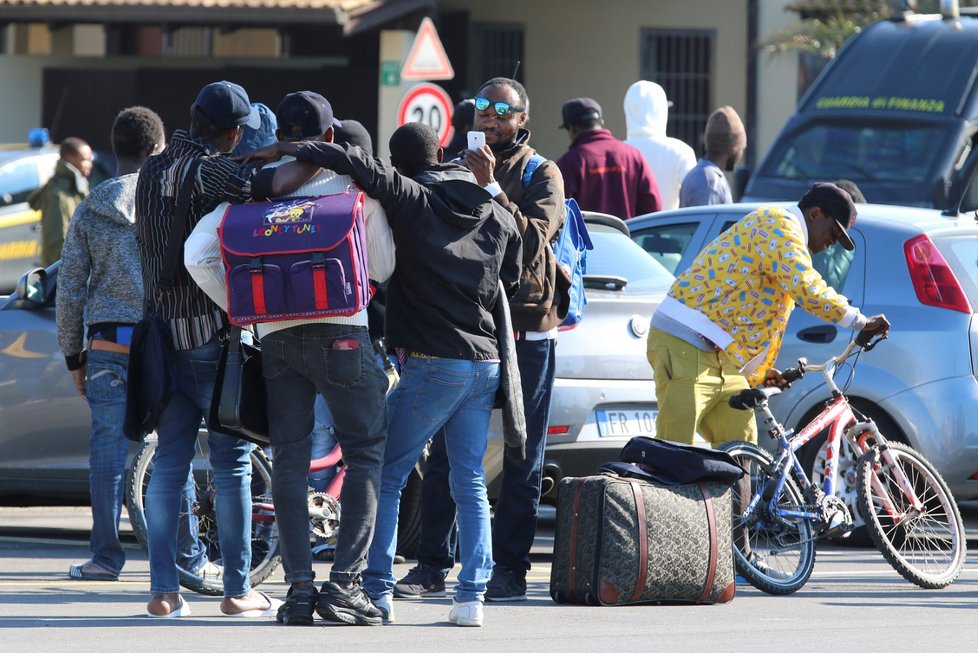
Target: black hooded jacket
(454, 245)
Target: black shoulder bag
(150, 381)
(239, 405)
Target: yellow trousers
(692, 388)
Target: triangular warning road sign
(427, 58)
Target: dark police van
(896, 112)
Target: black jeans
(337, 361)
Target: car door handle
(822, 333)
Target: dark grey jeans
(338, 362)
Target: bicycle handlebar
(792, 374)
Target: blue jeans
(194, 372)
(434, 393)
(337, 361)
(108, 449)
(323, 441)
(515, 522)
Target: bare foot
(252, 602)
(163, 604)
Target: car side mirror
(32, 287)
(960, 195)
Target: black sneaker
(506, 585)
(298, 607)
(420, 582)
(349, 606)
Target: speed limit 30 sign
(430, 104)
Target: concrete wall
(777, 79)
(20, 103)
(583, 48)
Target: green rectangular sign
(390, 73)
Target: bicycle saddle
(751, 399)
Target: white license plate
(626, 422)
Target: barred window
(681, 62)
(494, 49)
(188, 42)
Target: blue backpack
(570, 249)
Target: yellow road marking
(16, 349)
(22, 217)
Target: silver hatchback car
(917, 266)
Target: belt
(120, 333)
(108, 345)
(415, 354)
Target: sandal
(89, 570)
(270, 611)
(182, 610)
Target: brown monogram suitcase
(621, 540)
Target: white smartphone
(476, 140)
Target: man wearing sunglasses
(540, 304)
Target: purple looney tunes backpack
(295, 258)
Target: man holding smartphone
(477, 140)
(540, 304)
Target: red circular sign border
(421, 89)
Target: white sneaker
(385, 603)
(466, 614)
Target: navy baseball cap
(837, 204)
(352, 132)
(579, 110)
(226, 105)
(305, 114)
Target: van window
(863, 153)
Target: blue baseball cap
(226, 105)
(256, 138)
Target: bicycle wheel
(202, 518)
(780, 552)
(928, 546)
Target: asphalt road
(854, 601)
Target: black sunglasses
(501, 108)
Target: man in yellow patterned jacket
(720, 329)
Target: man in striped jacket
(196, 326)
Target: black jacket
(454, 245)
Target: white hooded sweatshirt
(646, 114)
